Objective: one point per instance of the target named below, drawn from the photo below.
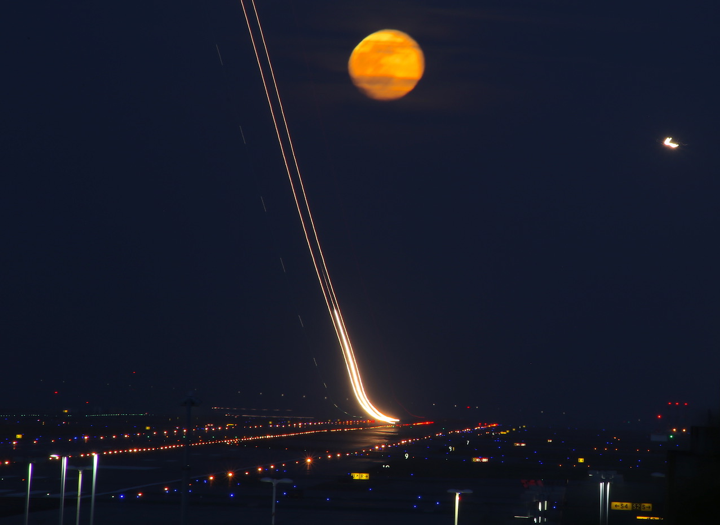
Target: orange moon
(386, 65)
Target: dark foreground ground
(528, 474)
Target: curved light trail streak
(308, 224)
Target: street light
(79, 496)
(94, 483)
(274, 484)
(63, 476)
(27, 498)
(94, 469)
(457, 493)
(189, 402)
(605, 477)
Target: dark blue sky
(511, 235)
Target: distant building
(693, 480)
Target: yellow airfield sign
(627, 505)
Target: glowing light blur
(386, 65)
(668, 142)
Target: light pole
(188, 404)
(604, 501)
(274, 484)
(94, 482)
(63, 476)
(27, 498)
(605, 477)
(79, 491)
(457, 493)
(79, 496)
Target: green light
(671, 436)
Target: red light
(659, 416)
(685, 404)
(669, 403)
(677, 403)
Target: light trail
(669, 143)
(282, 131)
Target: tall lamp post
(94, 484)
(604, 478)
(63, 477)
(79, 496)
(274, 484)
(79, 490)
(457, 493)
(27, 498)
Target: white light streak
(669, 143)
(219, 55)
(308, 224)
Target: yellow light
(668, 142)
(354, 372)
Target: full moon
(386, 65)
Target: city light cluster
(230, 441)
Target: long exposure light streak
(297, 186)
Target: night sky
(512, 235)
